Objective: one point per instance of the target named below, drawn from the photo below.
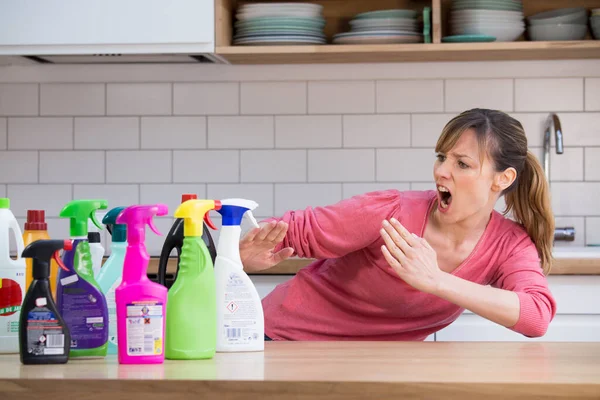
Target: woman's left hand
(413, 259)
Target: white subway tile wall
(288, 137)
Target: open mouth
(445, 197)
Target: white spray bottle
(240, 318)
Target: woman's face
(463, 182)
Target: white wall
(285, 136)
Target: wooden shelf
(337, 13)
(496, 51)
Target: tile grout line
(6, 133)
(105, 166)
(105, 99)
(73, 135)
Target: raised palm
(257, 247)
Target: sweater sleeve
(522, 274)
(336, 230)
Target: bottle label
(81, 304)
(45, 336)
(83, 312)
(239, 318)
(112, 312)
(11, 297)
(145, 329)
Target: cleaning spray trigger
(95, 220)
(56, 256)
(209, 222)
(251, 218)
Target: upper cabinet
(437, 19)
(46, 28)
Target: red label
(11, 297)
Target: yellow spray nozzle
(194, 212)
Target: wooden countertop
(327, 370)
(562, 266)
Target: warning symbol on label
(232, 307)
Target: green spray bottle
(191, 331)
(79, 298)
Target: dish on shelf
(595, 24)
(502, 19)
(468, 38)
(384, 27)
(560, 24)
(263, 24)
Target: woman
(402, 265)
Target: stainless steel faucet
(553, 124)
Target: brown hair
(504, 140)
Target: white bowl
(555, 32)
(571, 15)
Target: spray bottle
(240, 318)
(78, 296)
(44, 337)
(109, 277)
(191, 326)
(141, 303)
(12, 280)
(174, 240)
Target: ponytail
(530, 203)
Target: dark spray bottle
(44, 337)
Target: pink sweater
(351, 293)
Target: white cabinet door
(564, 328)
(42, 27)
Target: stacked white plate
(262, 24)
(383, 27)
(502, 19)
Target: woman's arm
(336, 230)
(519, 298)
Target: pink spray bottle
(141, 303)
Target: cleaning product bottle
(193, 292)
(78, 296)
(97, 251)
(174, 240)
(141, 303)
(240, 318)
(44, 337)
(111, 273)
(12, 280)
(36, 228)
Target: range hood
(108, 31)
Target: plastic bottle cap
(94, 237)
(188, 196)
(36, 220)
(4, 202)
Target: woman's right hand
(257, 247)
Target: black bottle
(44, 337)
(174, 240)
